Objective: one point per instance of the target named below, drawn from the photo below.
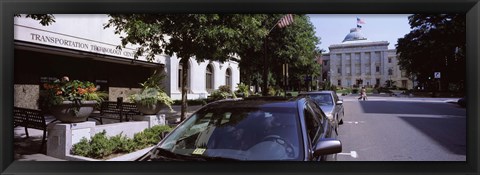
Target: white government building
(78, 46)
(357, 58)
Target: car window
(265, 133)
(312, 122)
(322, 99)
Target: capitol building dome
(354, 35)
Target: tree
(294, 44)
(44, 19)
(435, 44)
(200, 36)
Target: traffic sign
(436, 75)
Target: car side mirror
(163, 134)
(327, 146)
(339, 102)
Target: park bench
(30, 118)
(116, 111)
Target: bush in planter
(152, 93)
(223, 92)
(70, 101)
(243, 89)
(100, 146)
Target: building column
(343, 69)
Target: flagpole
(265, 67)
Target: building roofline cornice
(350, 45)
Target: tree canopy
(44, 19)
(436, 43)
(215, 37)
(294, 44)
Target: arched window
(209, 78)
(180, 77)
(228, 77)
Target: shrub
(354, 91)
(100, 146)
(271, 91)
(243, 89)
(223, 92)
(152, 92)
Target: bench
(30, 118)
(116, 110)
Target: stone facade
(23, 95)
(371, 62)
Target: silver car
(331, 105)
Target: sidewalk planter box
(126, 157)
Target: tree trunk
(184, 75)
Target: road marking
(354, 122)
(352, 154)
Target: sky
(332, 28)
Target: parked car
(330, 104)
(251, 129)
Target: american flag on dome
(285, 21)
(360, 21)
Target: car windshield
(322, 99)
(270, 133)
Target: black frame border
(9, 7)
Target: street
(402, 129)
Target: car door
(338, 108)
(314, 125)
(326, 130)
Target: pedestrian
(363, 94)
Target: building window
(209, 78)
(228, 75)
(377, 82)
(339, 83)
(404, 83)
(377, 69)
(390, 71)
(389, 60)
(180, 77)
(325, 62)
(339, 70)
(348, 70)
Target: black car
(251, 129)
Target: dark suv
(251, 129)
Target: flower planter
(150, 109)
(64, 112)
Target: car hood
(327, 109)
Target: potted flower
(152, 98)
(71, 101)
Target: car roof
(317, 92)
(256, 102)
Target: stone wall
(26, 96)
(114, 92)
